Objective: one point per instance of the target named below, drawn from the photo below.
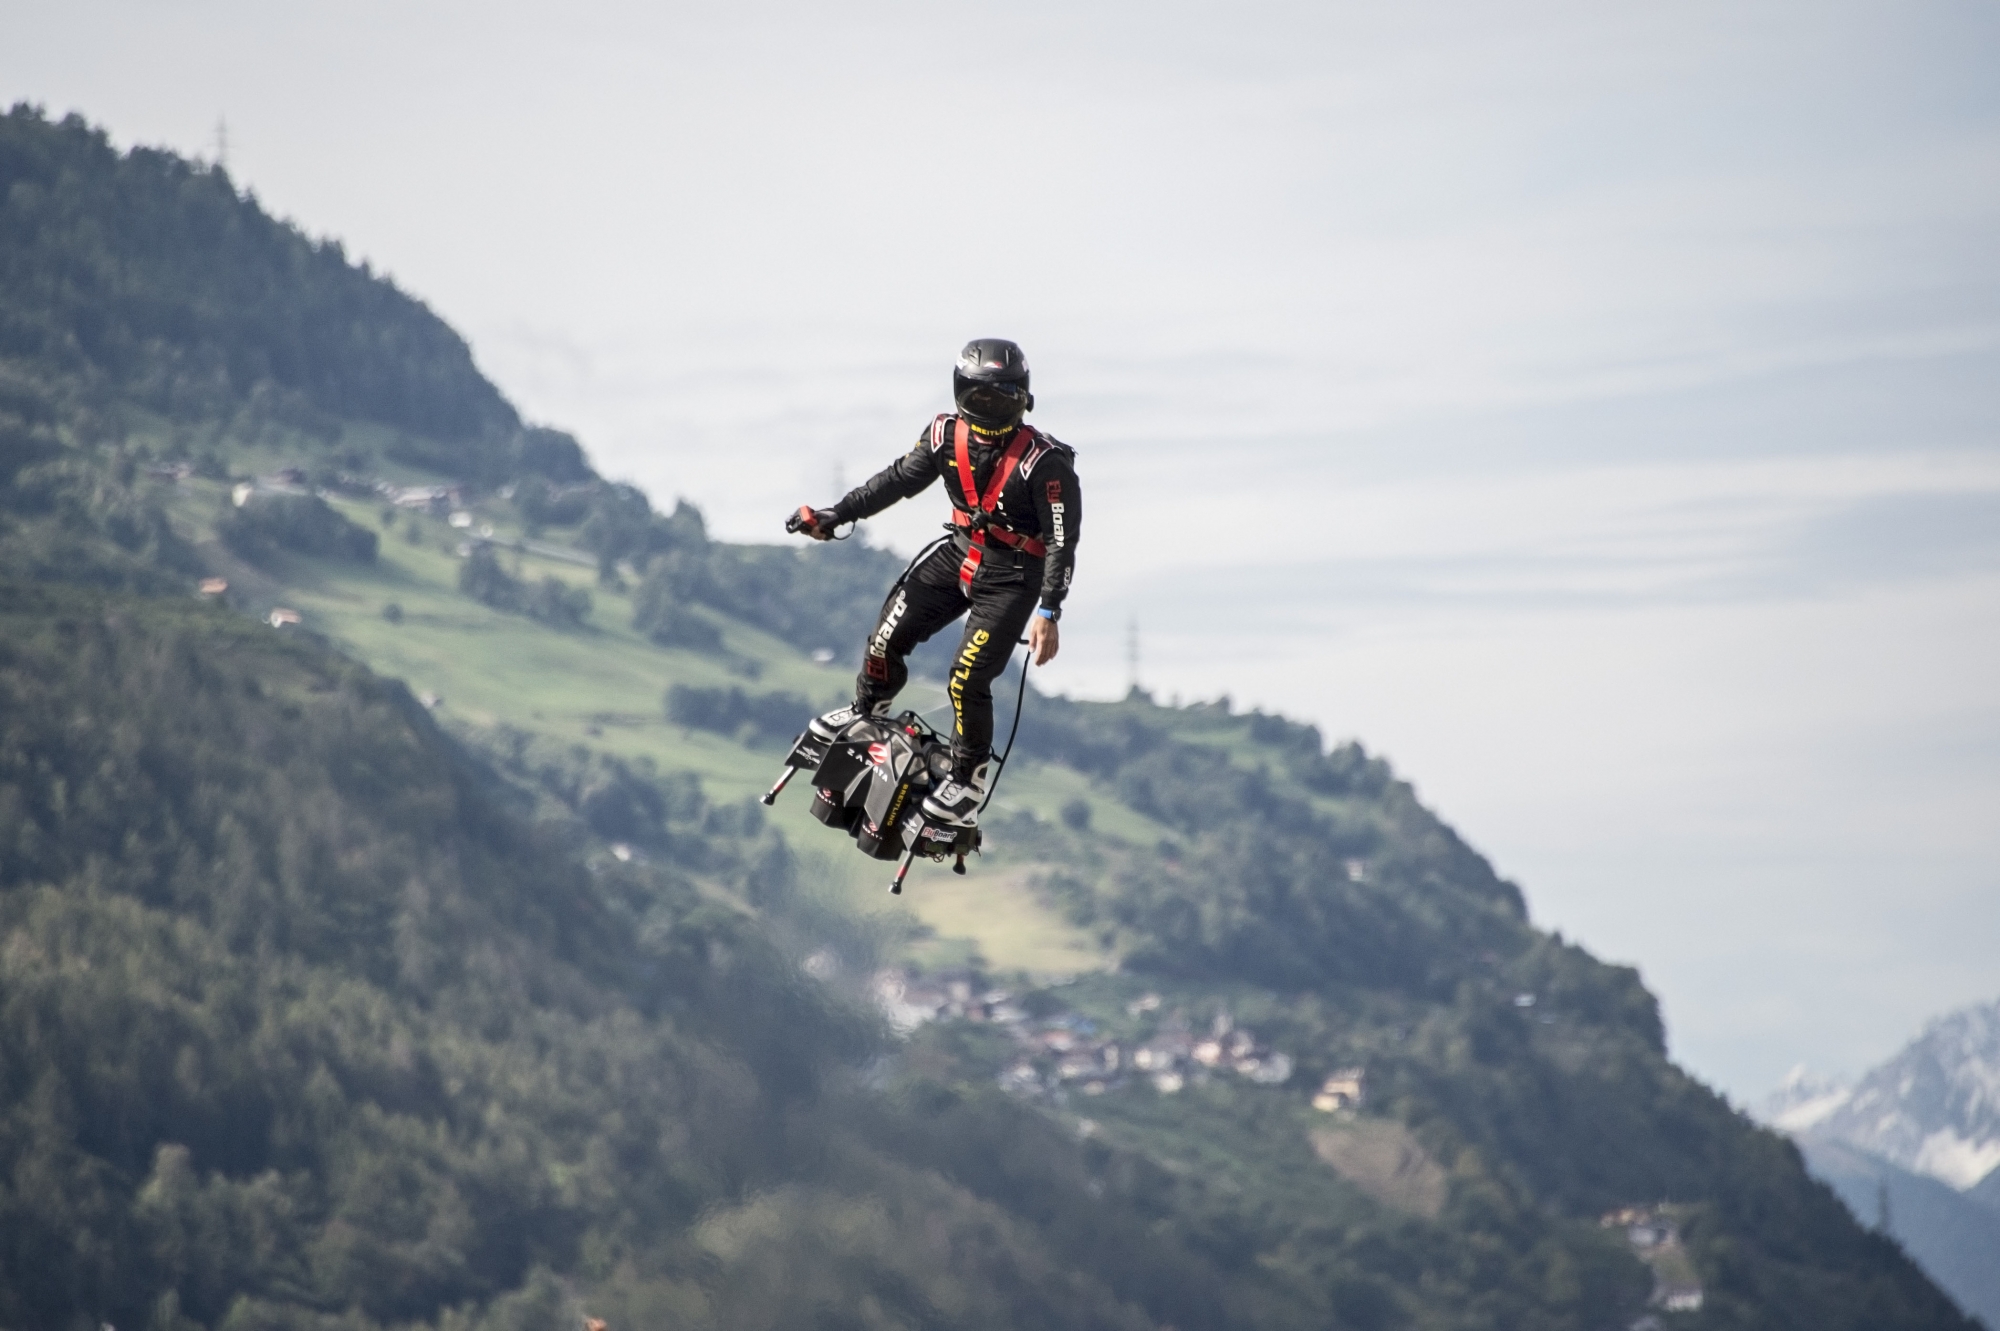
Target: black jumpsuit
(1041, 502)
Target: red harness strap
(1003, 471)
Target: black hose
(1020, 696)
(920, 557)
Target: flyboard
(870, 781)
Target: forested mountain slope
(150, 278)
(326, 1004)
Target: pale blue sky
(1594, 408)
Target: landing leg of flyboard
(903, 869)
(771, 795)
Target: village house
(1080, 1066)
(909, 1002)
(1344, 1088)
(1654, 1233)
(1066, 1050)
(435, 499)
(1021, 1079)
(1272, 1069)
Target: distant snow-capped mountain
(1933, 1109)
(1805, 1101)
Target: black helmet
(990, 385)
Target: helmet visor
(993, 404)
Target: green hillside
(390, 937)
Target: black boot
(956, 802)
(829, 726)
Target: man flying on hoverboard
(1016, 512)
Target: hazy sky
(1595, 409)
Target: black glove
(817, 523)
